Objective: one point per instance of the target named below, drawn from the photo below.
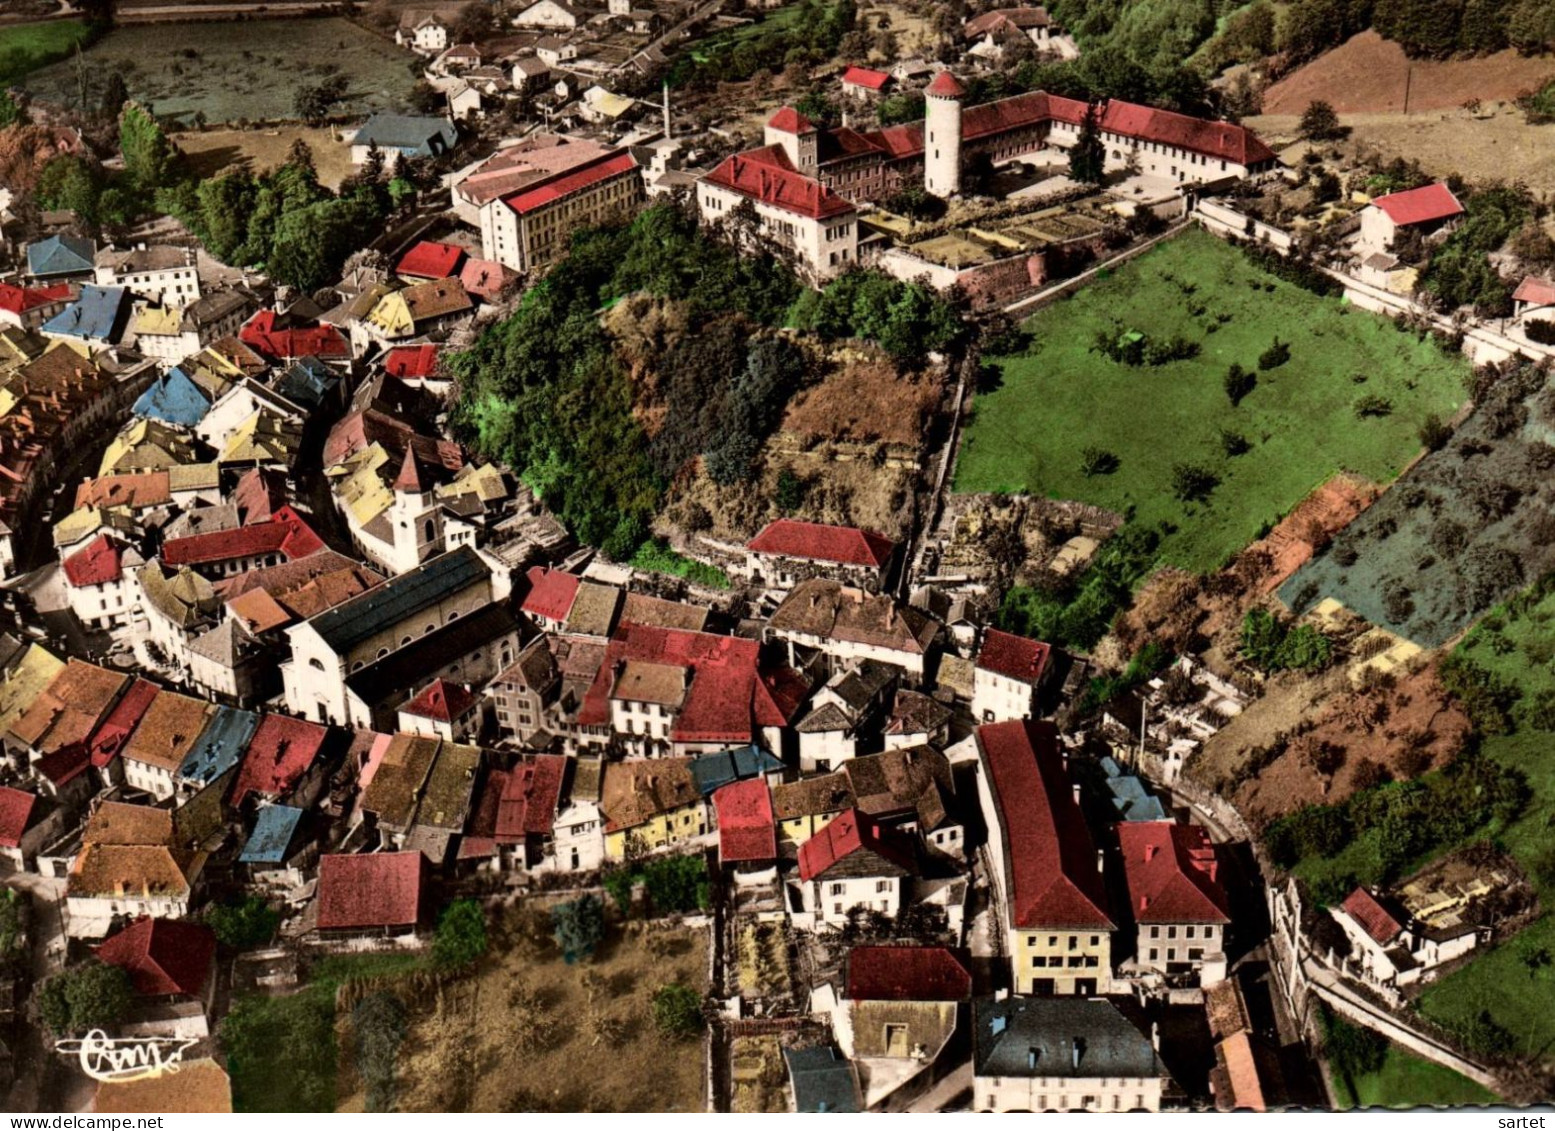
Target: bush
(1319, 122)
(1275, 356)
(1238, 382)
(1234, 443)
(676, 883)
(579, 927)
(1487, 698)
(1097, 461)
(677, 1010)
(1540, 330)
(1193, 483)
(378, 1023)
(1434, 433)
(461, 935)
(1372, 405)
(93, 995)
(1270, 646)
(247, 924)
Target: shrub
(1434, 433)
(1372, 404)
(677, 1010)
(1097, 461)
(249, 923)
(1238, 382)
(1397, 603)
(1193, 483)
(93, 995)
(378, 1022)
(1346, 554)
(1540, 714)
(461, 935)
(1540, 330)
(1275, 356)
(579, 926)
(1319, 122)
(1486, 697)
(1234, 443)
(1370, 774)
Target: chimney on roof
(1101, 860)
(1155, 1035)
(1076, 789)
(1150, 851)
(1074, 1052)
(1144, 903)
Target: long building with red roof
(1047, 871)
(787, 551)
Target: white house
(1388, 948)
(100, 583)
(849, 625)
(161, 275)
(550, 14)
(850, 864)
(422, 32)
(1431, 210)
(1178, 904)
(1009, 671)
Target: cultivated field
(242, 71)
(212, 151)
(1369, 74)
(1517, 643)
(1063, 397)
(1406, 1080)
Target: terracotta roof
(812, 797)
(19, 300)
(529, 798)
(907, 973)
(865, 77)
(1020, 18)
(1539, 292)
(1375, 919)
(568, 183)
(430, 260)
(1015, 656)
(790, 121)
(853, 844)
(946, 85)
(766, 175)
(96, 563)
(1242, 1075)
(551, 593)
(634, 792)
(440, 701)
(281, 751)
(747, 829)
(318, 340)
(260, 495)
(135, 491)
(15, 811)
(817, 541)
(408, 479)
(435, 298)
(411, 361)
(163, 956)
(824, 608)
(485, 278)
(642, 608)
(1049, 854)
(285, 534)
(1171, 873)
(1421, 205)
(380, 889)
(199, 1086)
(110, 736)
(168, 730)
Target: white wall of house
(824, 247)
(1044, 1093)
(823, 751)
(998, 698)
(828, 901)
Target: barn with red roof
(787, 551)
(864, 82)
(1047, 871)
(170, 959)
(1176, 898)
(374, 893)
(1428, 210)
(747, 829)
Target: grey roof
(274, 830)
(348, 624)
(710, 771)
(60, 255)
(824, 1080)
(1064, 1037)
(221, 745)
(859, 686)
(397, 674)
(421, 137)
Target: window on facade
(1171, 932)
(1074, 942)
(316, 664)
(1154, 954)
(882, 885)
(1095, 940)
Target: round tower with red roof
(942, 135)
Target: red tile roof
(440, 701)
(551, 593)
(1015, 656)
(569, 183)
(137, 491)
(113, 735)
(1375, 919)
(163, 956)
(529, 799)
(1539, 292)
(865, 77)
(1171, 873)
(285, 534)
(1049, 854)
(15, 809)
(379, 889)
(96, 563)
(848, 833)
(816, 541)
(19, 300)
(408, 479)
(430, 260)
(747, 829)
(790, 121)
(767, 176)
(259, 494)
(1421, 205)
(281, 751)
(358, 430)
(323, 341)
(485, 278)
(907, 973)
(946, 85)
(411, 361)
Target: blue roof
(823, 1080)
(60, 255)
(713, 771)
(99, 315)
(1127, 788)
(221, 745)
(271, 840)
(173, 398)
(1146, 809)
(412, 136)
(306, 381)
(1109, 766)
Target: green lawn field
(1512, 982)
(26, 47)
(1062, 397)
(1406, 1080)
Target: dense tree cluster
(1459, 273)
(461, 935)
(1077, 612)
(1272, 645)
(93, 995)
(908, 320)
(245, 923)
(378, 1023)
(805, 37)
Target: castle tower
(942, 135)
(798, 137)
(418, 523)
